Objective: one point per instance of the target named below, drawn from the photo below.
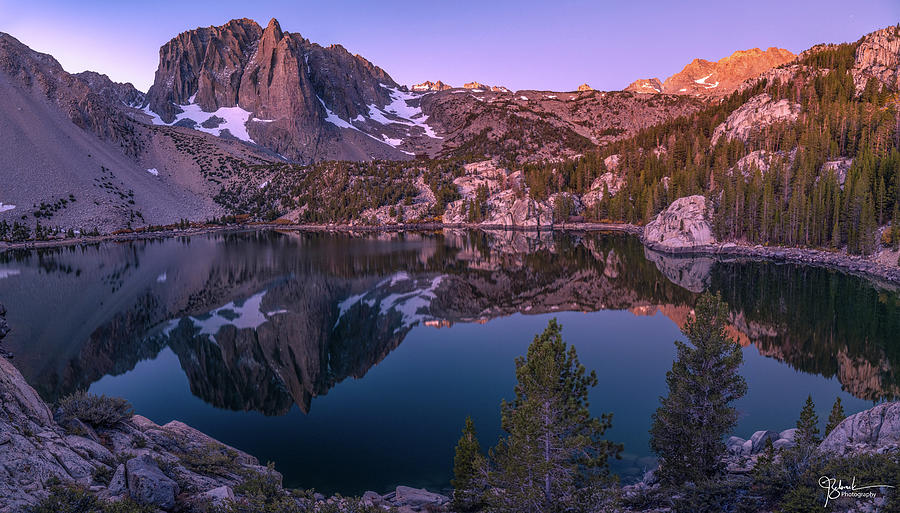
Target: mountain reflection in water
(263, 321)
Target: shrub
(97, 411)
(72, 499)
(214, 458)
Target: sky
(525, 44)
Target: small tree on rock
(691, 422)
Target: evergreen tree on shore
(692, 420)
(808, 425)
(469, 467)
(554, 447)
(836, 417)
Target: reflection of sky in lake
(399, 423)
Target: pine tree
(837, 415)
(469, 466)
(554, 446)
(808, 425)
(691, 422)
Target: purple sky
(520, 44)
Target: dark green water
(351, 361)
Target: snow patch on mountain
(6, 208)
(235, 119)
(400, 111)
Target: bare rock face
(706, 78)
(725, 75)
(477, 85)
(761, 160)
(681, 226)
(610, 182)
(585, 87)
(428, 86)
(839, 167)
(114, 91)
(878, 56)
(206, 62)
(873, 430)
(645, 86)
(760, 111)
(299, 98)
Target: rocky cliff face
(878, 56)
(277, 89)
(706, 78)
(759, 112)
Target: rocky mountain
(279, 90)
(716, 79)
(73, 156)
(429, 86)
(645, 85)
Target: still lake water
(352, 361)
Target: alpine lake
(352, 360)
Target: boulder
(782, 444)
(118, 484)
(734, 444)
(148, 485)
(758, 440)
(218, 496)
(681, 226)
(788, 434)
(407, 496)
(747, 448)
(873, 430)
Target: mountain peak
(707, 78)
(274, 27)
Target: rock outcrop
(753, 116)
(477, 85)
(875, 430)
(682, 226)
(428, 86)
(585, 87)
(645, 86)
(36, 451)
(878, 57)
(706, 78)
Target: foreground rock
(165, 465)
(876, 430)
(683, 226)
